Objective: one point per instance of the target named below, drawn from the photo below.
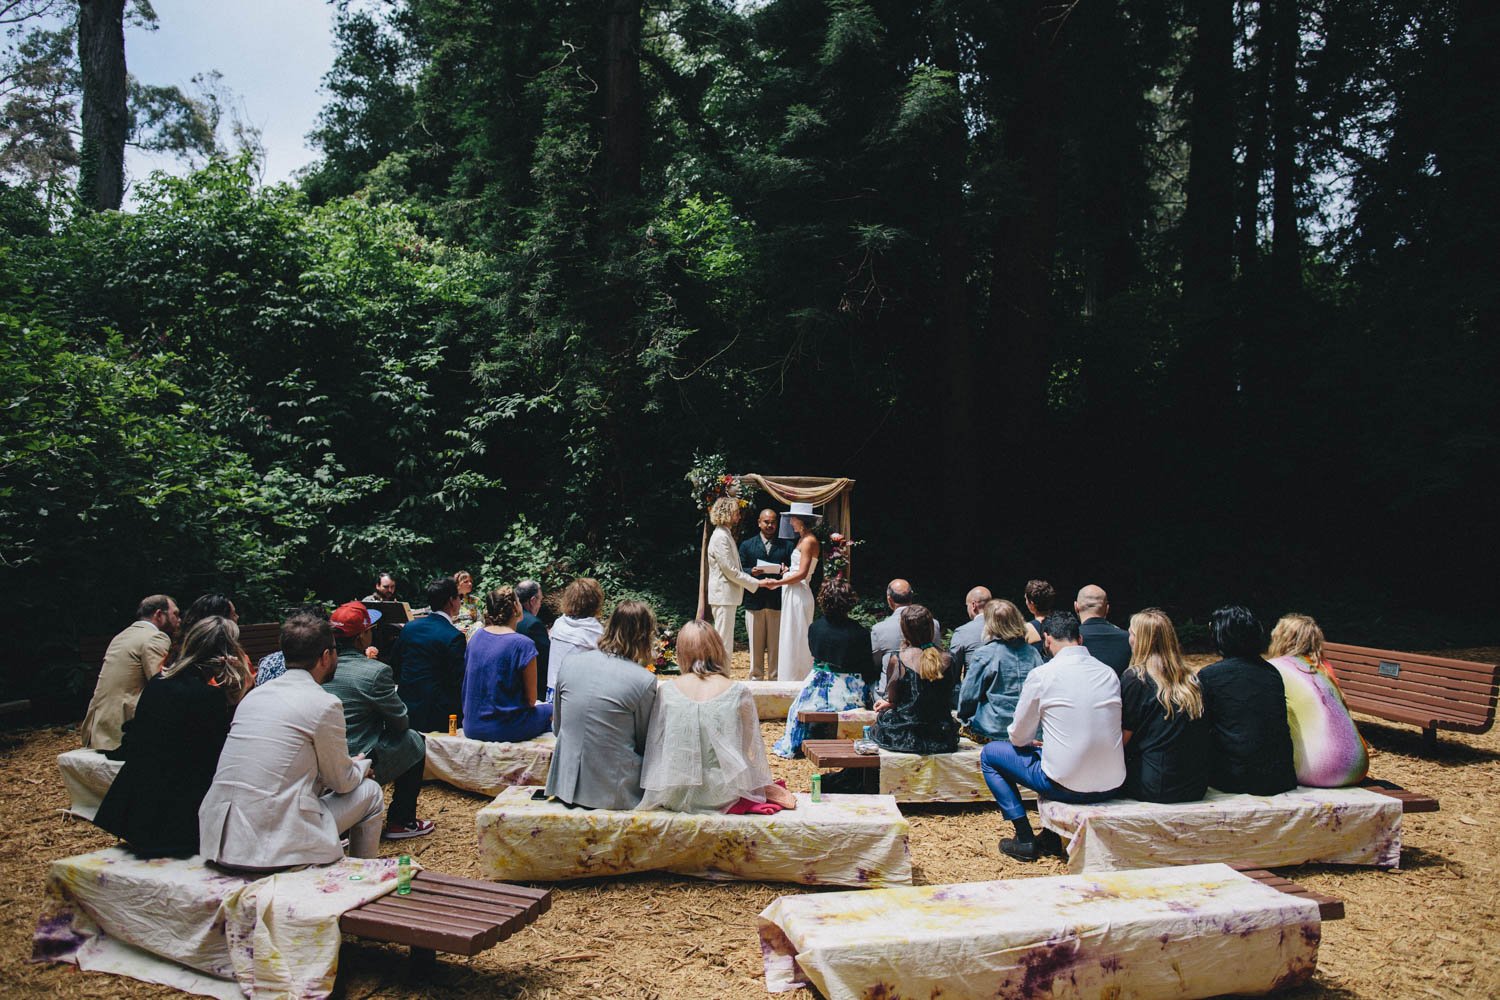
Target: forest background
(1196, 301)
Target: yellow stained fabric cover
(484, 767)
(854, 840)
(160, 920)
(1198, 931)
(87, 775)
(1340, 826)
(938, 777)
(773, 699)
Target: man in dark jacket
(763, 606)
(1244, 704)
(1105, 642)
(431, 653)
(529, 593)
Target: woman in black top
(1244, 702)
(1040, 598)
(842, 673)
(171, 747)
(1161, 716)
(917, 715)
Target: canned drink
(452, 725)
(817, 788)
(867, 731)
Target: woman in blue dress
(499, 694)
(842, 668)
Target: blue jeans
(1006, 765)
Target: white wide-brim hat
(802, 510)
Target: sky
(272, 54)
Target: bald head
(1092, 602)
(976, 600)
(766, 521)
(897, 594)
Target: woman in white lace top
(704, 751)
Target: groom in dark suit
(763, 607)
(431, 649)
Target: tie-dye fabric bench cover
(87, 775)
(1196, 931)
(938, 777)
(854, 840)
(484, 767)
(186, 925)
(848, 725)
(1341, 826)
(773, 699)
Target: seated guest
(385, 589)
(703, 750)
(171, 747)
(886, 637)
(997, 669)
(500, 677)
(1076, 700)
(578, 627)
(430, 650)
(375, 719)
(1040, 599)
(529, 593)
(602, 712)
(970, 635)
(1327, 749)
(1104, 641)
(133, 658)
(1244, 701)
(286, 789)
(916, 715)
(1161, 715)
(842, 674)
(470, 614)
(273, 665)
(207, 606)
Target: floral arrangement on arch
(665, 662)
(836, 555)
(710, 482)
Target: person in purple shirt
(500, 677)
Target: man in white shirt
(1076, 700)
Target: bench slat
(1370, 656)
(447, 913)
(1444, 701)
(1427, 718)
(399, 929)
(838, 753)
(1329, 907)
(540, 897)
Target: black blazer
(532, 628)
(171, 751)
(1107, 643)
(753, 549)
(1244, 704)
(432, 672)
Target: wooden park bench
(257, 640)
(1431, 692)
(460, 916)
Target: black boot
(1023, 847)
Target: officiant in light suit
(727, 581)
(763, 608)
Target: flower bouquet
(836, 555)
(710, 481)
(665, 662)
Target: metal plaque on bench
(1389, 669)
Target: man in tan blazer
(133, 658)
(727, 581)
(286, 788)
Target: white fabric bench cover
(87, 775)
(855, 840)
(1340, 826)
(938, 777)
(186, 925)
(484, 767)
(1197, 931)
(773, 699)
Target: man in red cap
(375, 720)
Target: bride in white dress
(794, 659)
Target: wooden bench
(1329, 907)
(460, 916)
(1431, 692)
(257, 640)
(828, 754)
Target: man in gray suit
(885, 637)
(601, 711)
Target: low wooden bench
(1329, 907)
(1430, 692)
(460, 916)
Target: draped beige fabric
(820, 491)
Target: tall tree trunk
(101, 55)
(1026, 239)
(624, 109)
(1263, 54)
(1204, 373)
(1286, 243)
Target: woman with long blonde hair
(703, 751)
(1161, 716)
(1327, 750)
(997, 669)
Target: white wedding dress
(794, 660)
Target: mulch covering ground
(1428, 929)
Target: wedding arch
(831, 494)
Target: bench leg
(871, 778)
(1429, 738)
(423, 963)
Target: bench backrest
(257, 640)
(1459, 693)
